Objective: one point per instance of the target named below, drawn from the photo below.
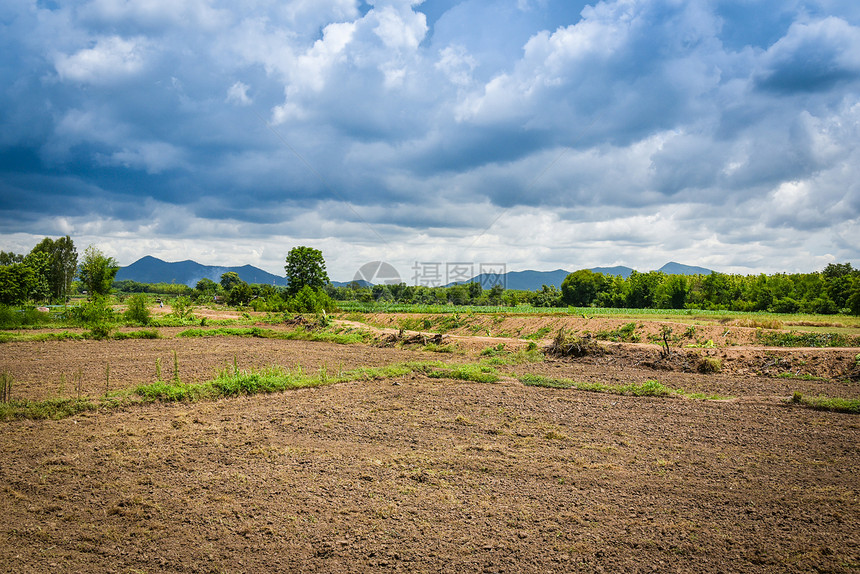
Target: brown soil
(432, 475)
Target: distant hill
(673, 268)
(153, 270)
(535, 280)
(521, 280)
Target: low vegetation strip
(475, 373)
(300, 334)
(231, 382)
(647, 389)
(823, 403)
(71, 336)
(804, 339)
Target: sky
(536, 134)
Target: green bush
(182, 308)
(93, 314)
(137, 311)
(11, 318)
(309, 300)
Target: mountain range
(153, 270)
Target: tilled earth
(427, 475)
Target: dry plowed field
(418, 474)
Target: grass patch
(42, 337)
(231, 382)
(47, 409)
(466, 372)
(539, 334)
(804, 377)
(823, 403)
(804, 339)
(625, 333)
(300, 334)
(646, 389)
(142, 334)
(230, 332)
(73, 336)
(498, 355)
(759, 323)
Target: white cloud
(152, 157)
(111, 59)
(629, 132)
(238, 94)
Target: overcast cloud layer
(536, 133)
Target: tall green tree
(16, 283)
(97, 271)
(230, 280)
(305, 266)
(582, 287)
(63, 263)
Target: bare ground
(431, 475)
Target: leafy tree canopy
(230, 280)
(97, 271)
(305, 267)
(63, 262)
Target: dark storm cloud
(406, 115)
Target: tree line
(836, 289)
(49, 273)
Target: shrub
(97, 315)
(15, 318)
(182, 308)
(309, 300)
(568, 345)
(137, 311)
